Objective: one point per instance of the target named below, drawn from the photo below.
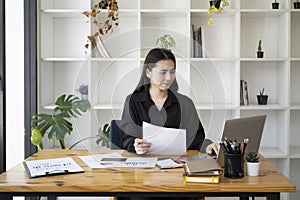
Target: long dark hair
(152, 58)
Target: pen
(229, 147)
(223, 146)
(57, 171)
(245, 141)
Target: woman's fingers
(213, 148)
(141, 146)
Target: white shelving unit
(213, 82)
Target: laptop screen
(241, 128)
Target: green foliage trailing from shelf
(252, 156)
(58, 124)
(215, 9)
(106, 23)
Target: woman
(156, 100)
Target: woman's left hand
(213, 148)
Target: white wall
(14, 17)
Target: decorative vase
(260, 54)
(98, 48)
(275, 5)
(262, 99)
(296, 5)
(217, 3)
(84, 97)
(253, 168)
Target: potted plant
(260, 53)
(275, 5)
(217, 7)
(84, 91)
(166, 41)
(252, 163)
(262, 98)
(297, 4)
(58, 124)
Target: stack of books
(202, 171)
(198, 46)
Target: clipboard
(50, 167)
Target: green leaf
(103, 135)
(71, 105)
(58, 124)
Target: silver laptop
(241, 128)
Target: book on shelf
(202, 171)
(197, 47)
(244, 95)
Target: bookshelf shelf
(272, 152)
(295, 152)
(263, 107)
(212, 81)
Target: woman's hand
(213, 148)
(141, 146)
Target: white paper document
(165, 141)
(93, 161)
(167, 163)
(115, 160)
(37, 168)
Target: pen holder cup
(233, 165)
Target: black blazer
(178, 112)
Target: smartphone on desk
(113, 159)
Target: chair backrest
(115, 136)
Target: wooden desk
(135, 182)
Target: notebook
(241, 128)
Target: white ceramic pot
(84, 97)
(253, 168)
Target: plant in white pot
(84, 91)
(253, 163)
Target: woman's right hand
(141, 146)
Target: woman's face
(162, 75)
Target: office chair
(115, 136)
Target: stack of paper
(165, 141)
(115, 160)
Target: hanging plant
(104, 25)
(216, 7)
